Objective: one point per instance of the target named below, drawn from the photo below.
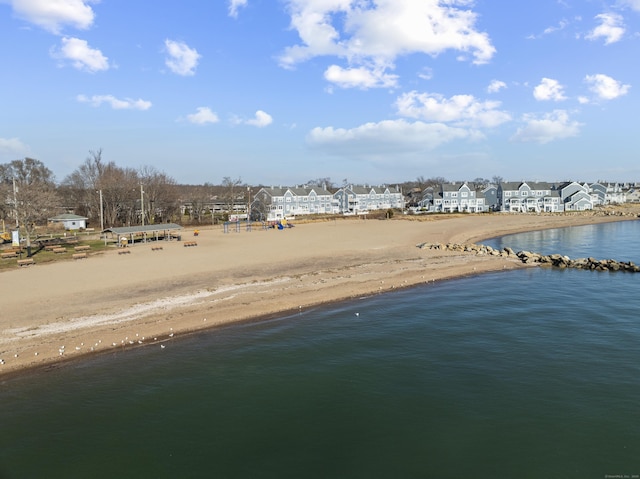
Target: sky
(280, 92)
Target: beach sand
(53, 313)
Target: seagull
(162, 346)
(357, 314)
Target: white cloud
(234, 6)
(611, 29)
(53, 15)
(12, 147)
(261, 119)
(605, 87)
(633, 4)
(561, 26)
(389, 136)
(202, 116)
(495, 86)
(181, 59)
(81, 55)
(426, 73)
(549, 89)
(116, 104)
(374, 33)
(549, 30)
(359, 77)
(461, 110)
(551, 126)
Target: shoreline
(109, 303)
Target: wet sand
(108, 302)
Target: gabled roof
(68, 217)
(296, 191)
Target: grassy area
(42, 256)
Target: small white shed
(70, 222)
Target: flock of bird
(139, 340)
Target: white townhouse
(523, 197)
(602, 194)
(274, 204)
(575, 196)
(458, 197)
(615, 193)
(453, 198)
(598, 193)
(353, 200)
(632, 195)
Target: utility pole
(15, 202)
(142, 204)
(102, 219)
(101, 213)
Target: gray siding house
(353, 200)
(274, 204)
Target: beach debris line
(527, 257)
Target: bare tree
(322, 182)
(160, 195)
(232, 191)
(435, 181)
(199, 197)
(34, 192)
(481, 183)
(81, 188)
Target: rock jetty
(527, 257)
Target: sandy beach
(108, 302)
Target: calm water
(523, 374)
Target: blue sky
(278, 92)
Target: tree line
(121, 196)
(101, 190)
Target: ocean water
(521, 374)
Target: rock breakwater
(527, 257)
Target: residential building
(575, 196)
(454, 197)
(273, 204)
(523, 197)
(353, 200)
